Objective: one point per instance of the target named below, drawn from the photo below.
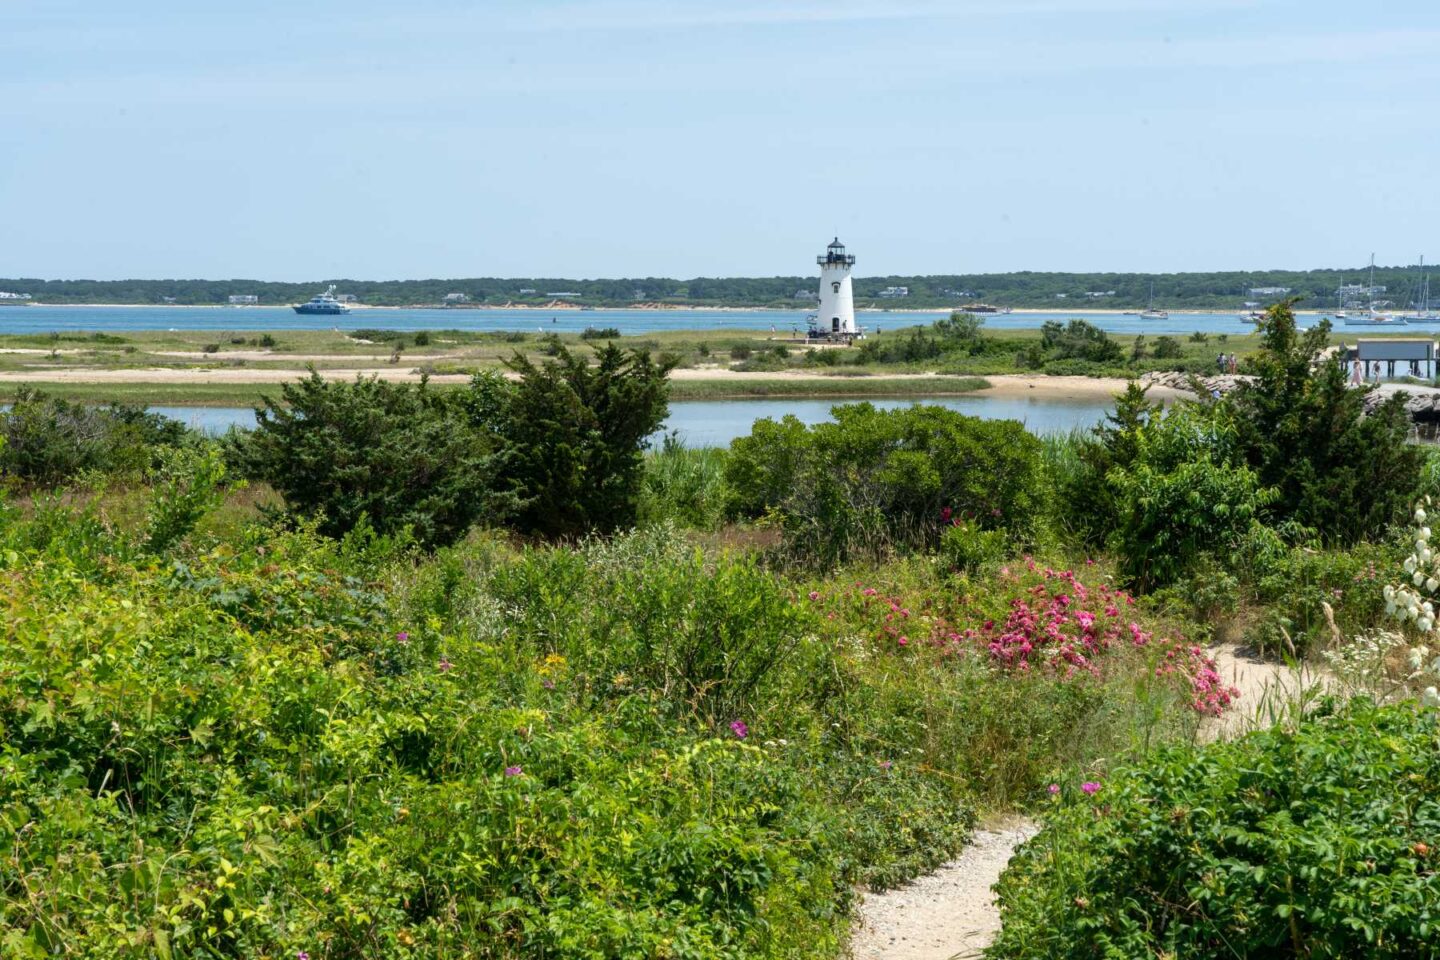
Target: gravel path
(944, 915)
(950, 914)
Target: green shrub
(422, 338)
(185, 486)
(600, 333)
(968, 549)
(1171, 518)
(764, 466)
(1074, 367)
(1312, 842)
(875, 480)
(1167, 348)
(706, 637)
(1344, 473)
(399, 455)
(49, 441)
(576, 436)
(1078, 340)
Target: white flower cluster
(1362, 661)
(1410, 602)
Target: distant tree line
(1060, 291)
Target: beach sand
(1003, 385)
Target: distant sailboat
(1150, 313)
(1423, 313)
(1373, 317)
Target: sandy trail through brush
(951, 914)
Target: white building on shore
(836, 316)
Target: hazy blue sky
(295, 140)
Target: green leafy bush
(1180, 497)
(966, 548)
(48, 441)
(186, 486)
(398, 455)
(1303, 428)
(1167, 348)
(1314, 842)
(576, 437)
(877, 480)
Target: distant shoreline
(919, 311)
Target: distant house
(1269, 291)
(456, 298)
(891, 293)
(240, 298)
(637, 294)
(1062, 296)
(528, 292)
(4, 295)
(562, 293)
(1094, 294)
(346, 297)
(806, 294)
(167, 299)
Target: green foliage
(1194, 290)
(1296, 583)
(600, 333)
(705, 637)
(875, 481)
(185, 487)
(1077, 340)
(576, 435)
(1180, 497)
(1312, 842)
(683, 486)
(967, 549)
(1303, 429)
(398, 455)
(1167, 348)
(48, 441)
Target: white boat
(323, 303)
(1423, 314)
(1373, 319)
(1150, 313)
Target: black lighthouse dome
(835, 254)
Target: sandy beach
(1006, 385)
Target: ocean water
(46, 319)
(714, 423)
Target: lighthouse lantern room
(836, 319)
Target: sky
(305, 139)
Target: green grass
(839, 388)
(246, 394)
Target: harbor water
(46, 319)
(714, 423)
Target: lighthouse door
(834, 324)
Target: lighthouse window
(835, 286)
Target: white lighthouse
(836, 318)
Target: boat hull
(311, 311)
